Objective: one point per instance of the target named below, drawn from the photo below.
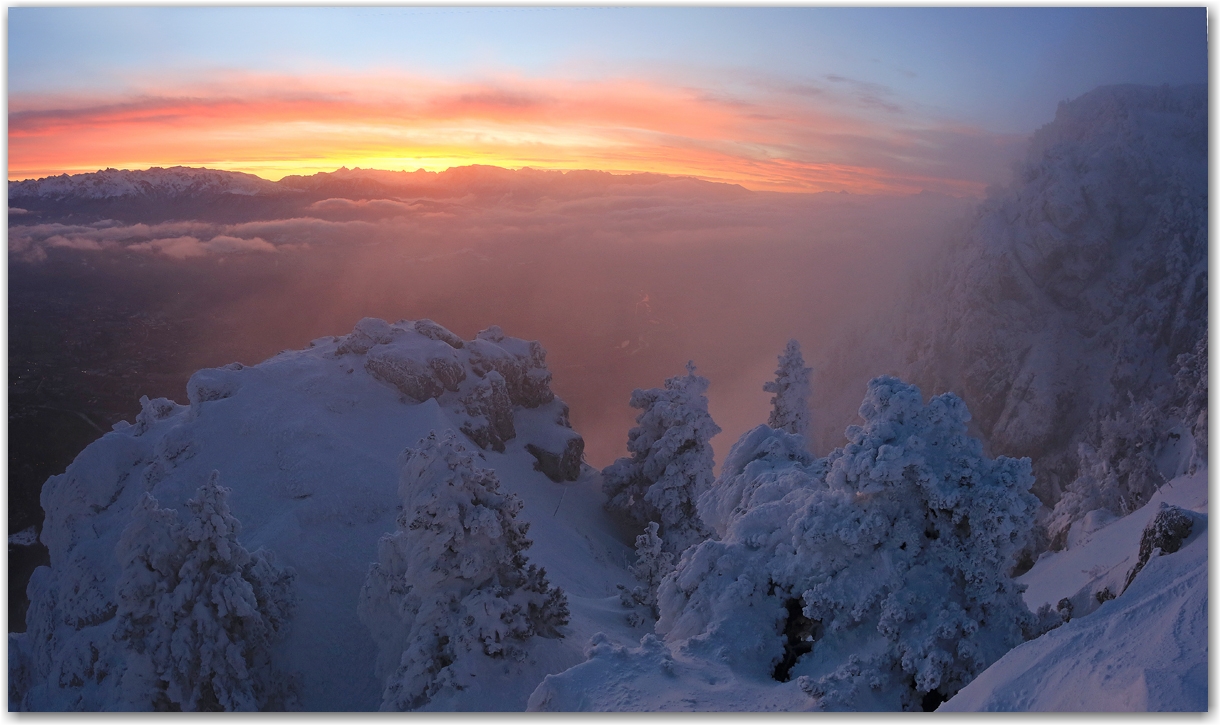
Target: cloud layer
(622, 286)
(176, 240)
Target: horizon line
(562, 171)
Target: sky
(866, 100)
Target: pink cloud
(843, 136)
(186, 247)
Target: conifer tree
(198, 612)
(671, 461)
(790, 402)
(452, 589)
(652, 564)
(880, 579)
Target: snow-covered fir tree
(652, 564)
(671, 461)
(197, 613)
(1117, 467)
(791, 392)
(765, 464)
(883, 584)
(452, 591)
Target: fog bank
(622, 285)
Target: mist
(621, 290)
(622, 284)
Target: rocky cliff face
(1060, 314)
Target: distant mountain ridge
(482, 180)
(156, 195)
(156, 181)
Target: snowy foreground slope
(1144, 650)
(372, 544)
(309, 442)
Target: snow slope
(308, 442)
(1145, 650)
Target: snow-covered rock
(308, 441)
(1095, 567)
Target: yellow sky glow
(777, 144)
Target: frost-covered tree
(671, 461)
(652, 564)
(884, 584)
(1117, 467)
(791, 392)
(765, 464)
(150, 554)
(452, 592)
(1123, 452)
(198, 613)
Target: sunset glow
(776, 141)
(619, 359)
(769, 100)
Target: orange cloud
(772, 139)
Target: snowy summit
(308, 445)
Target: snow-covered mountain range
(155, 182)
(183, 193)
(189, 182)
